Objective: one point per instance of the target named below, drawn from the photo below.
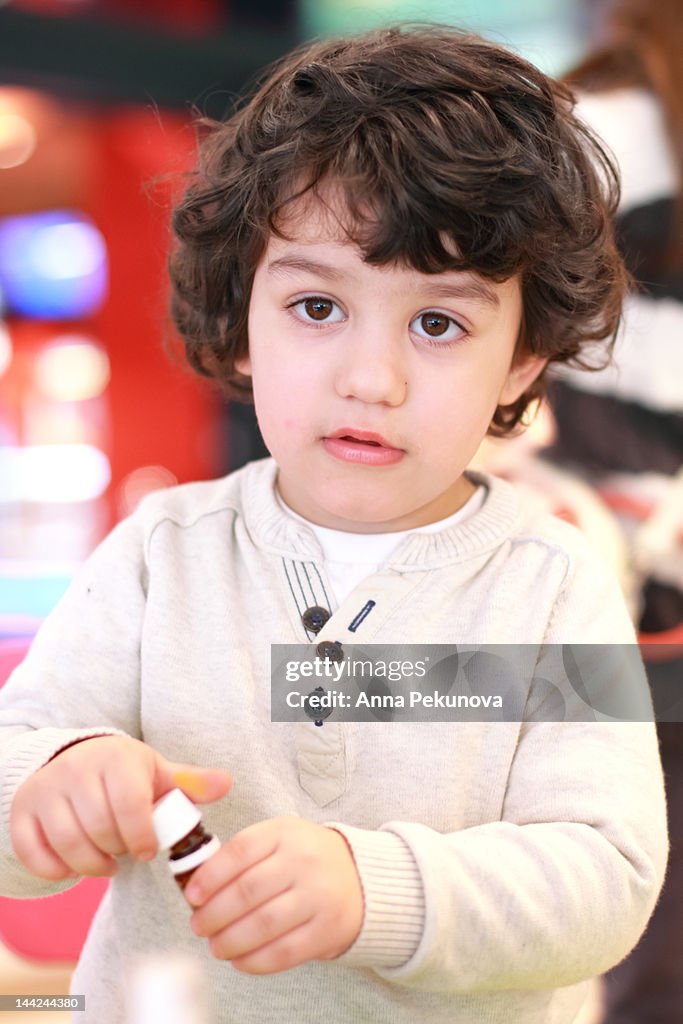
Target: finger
(130, 798)
(246, 849)
(65, 835)
(248, 891)
(263, 926)
(35, 853)
(95, 814)
(296, 947)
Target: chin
(361, 513)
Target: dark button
(316, 713)
(331, 651)
(314, 618)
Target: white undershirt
(350, 557)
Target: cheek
(463, 400)
(286, 382)
(457, 418)
(280, 407)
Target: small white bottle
(178, 826)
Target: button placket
(321, 760)
(322, 752)
(323, 771)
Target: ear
(525, 368)
(243, 365)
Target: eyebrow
(468, 287)
(301, 265)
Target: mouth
(363, 437)
(362, 447)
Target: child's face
(340, 349)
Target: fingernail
(193, 785)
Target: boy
(388, 243)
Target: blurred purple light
(53, 265)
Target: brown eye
(434, 324)
(318, 309)
(438, 329)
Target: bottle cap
(192, 860)
(173, 817)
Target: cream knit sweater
(502, 864)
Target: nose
(372, 369)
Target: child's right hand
(93, 802)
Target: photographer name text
(319, 701)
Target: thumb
(202, 785)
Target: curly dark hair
(442, 143)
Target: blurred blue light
(53, 265)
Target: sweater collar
(272, 529)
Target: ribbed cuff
(393, 921)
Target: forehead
(322, 215)
(318, 235)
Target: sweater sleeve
(80, 679)
(561, 887)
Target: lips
(362, 447)
(363, 437)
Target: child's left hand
(278, 894)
